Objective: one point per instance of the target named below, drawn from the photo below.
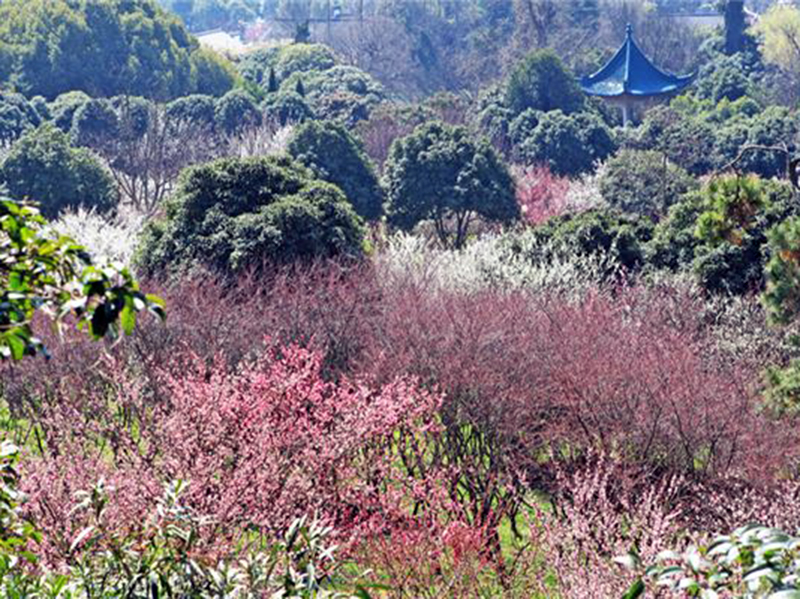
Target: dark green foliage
(197, 109)
(608, 233)
(235, 112)
(41, 107)
(782, 295)
(134, 114)
(335, 156)
(336, 79)
(540, 81)
(256, 65)
(212, 74)
(64, 107)
(674, 241)
(782, 389)
(724, 78)
(302, 58)
(442, 173)
(726, 253)
(775, 126)
(269, 66)
(17, 116)
(104, 48)
(493, 121)
(491, 116)
(95, 120)
(688, 142)
(729, 268)
(568, 145)
(343, 93)
(42, 166)
(272, 82)
(644, 182)
(286, 108)
(299, 89)
(522, 127)
(230, 215)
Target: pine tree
(300, 88)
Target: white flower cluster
(489, 262)
(107, 238)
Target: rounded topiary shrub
(233, 214)
(197, 109)
(43, 166)
(287, 107)
(94, 121)
(235, 112)
(299, 58)
(64, 107)
(443, 174)
(334, 155)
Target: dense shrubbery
(231, 215)
(440, 173)
(565, 340)
(540, 81)
(42, 166)
(103, 49)
(337, 157)
(17, 116)
(235, 112)
(283, 61)
(568, 145)
(643, 182)
(720, 232)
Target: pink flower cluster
(541, 194)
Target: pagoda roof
(630, 73)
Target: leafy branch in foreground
(54, 275)
(751, 562)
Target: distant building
(221, 41)
(629, 79)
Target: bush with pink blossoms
(540, 194)
(262, 444)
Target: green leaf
(128, 316)
(16, 344)
(635, 590)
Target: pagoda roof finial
(630, 73)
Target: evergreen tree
(272, 85)
(735, 26)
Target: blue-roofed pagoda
(630, 79)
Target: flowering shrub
(601, 510)
(491, 262)
(161, 559)
(107, 238)
(540, 193)
(261, 443)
